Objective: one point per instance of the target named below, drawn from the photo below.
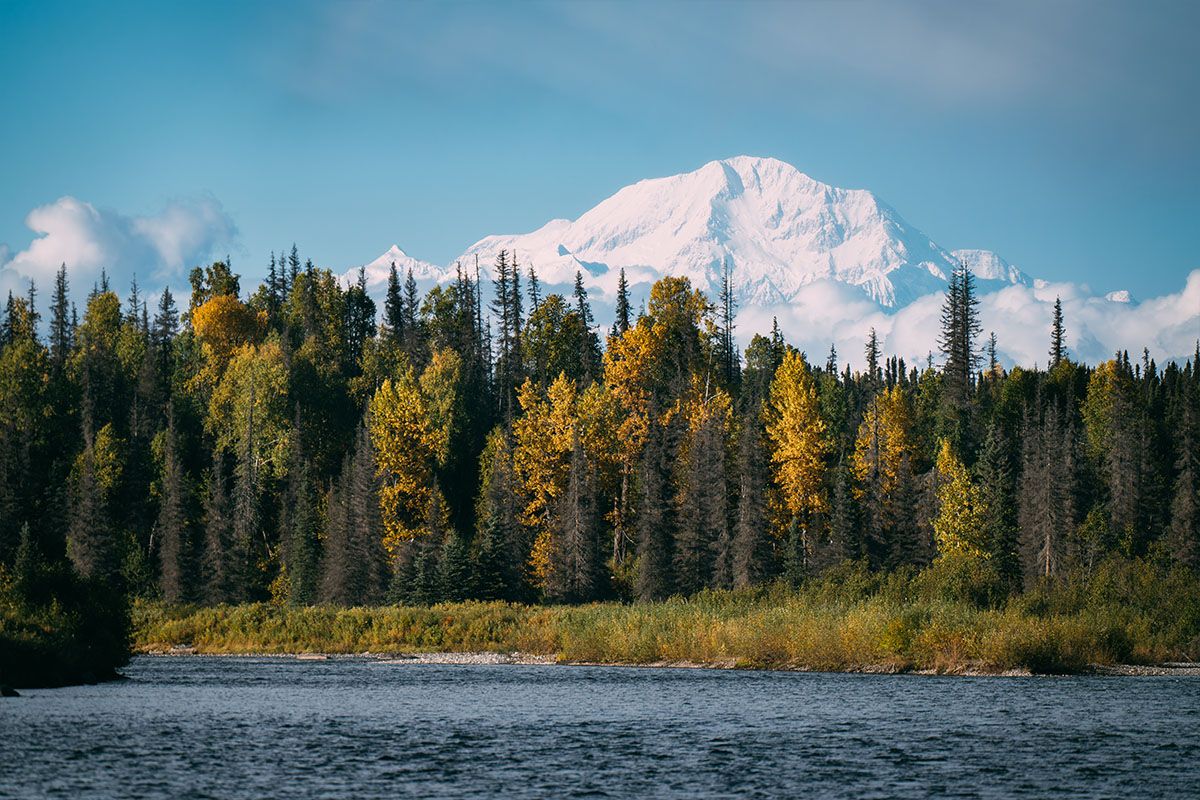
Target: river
(197, 727)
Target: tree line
(296, 443)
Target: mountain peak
(777, 228)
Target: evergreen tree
(728, 356)
(752, 542)
(998, 488)
(172, 527)
(795, 555)
(655, 526)
(1047, 495)
(501, 546)
(844, 539)
(621, 324)
(300, 548)
(91, 541)
(1184, 533)
(245, 525)
(576, 561)
(393, 306)
(535, 291)
(293, 267)
(872, 355)
(62, 331)
(217, 536)
(354, 565)
(960, 326)
(455, 574)
(1058, 350)
(589, 344)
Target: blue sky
(1062, 135)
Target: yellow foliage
(544, 435)
(439, 387)
(884, 440)
(629, 366)
(223, 325)
(797, 432)
(599, 421)
(1106, 384)
(958, 528)
(251, 396)
(106, 459)
(406, 447)
(540, 558)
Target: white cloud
(88, 239)
(1020, 315)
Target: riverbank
(485, 658)
(1124, 616)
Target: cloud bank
(1097, 327)
(89, 239)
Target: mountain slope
(779, 229)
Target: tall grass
(1125, 612)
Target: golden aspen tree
(254, 387)
(544, 435)
(959, 526)
(884, 441)
(797, 435)
(440, 382)
(406, 447)
(223, 324)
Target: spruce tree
(172, 526)
(1184, 532)
(795, 555)
(455, 574)
(91, 541)
(501, 545)
(393, 307)
(353, 570)
(62, 332)
(1046, 504)
(730, 368)
(960, 326)
(535, 290)
(576, 560)
(1058, 350)
(244, 575)
(872, 355)
(217, 536)
(589, 344)
(655, 524)
(621, 323)
(998, 490)
(751, 541)
(299, 544)
(843, 535)
(702, 512)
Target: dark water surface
(257, 727)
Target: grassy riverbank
(1124, 613)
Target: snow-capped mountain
(377, 270)
(779, 229)
(990, 270)
(828, 264)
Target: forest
(292, 444)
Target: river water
(194, 727)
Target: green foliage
(56, 628)
(509, 459)
(850, 619)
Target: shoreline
(492, 658)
